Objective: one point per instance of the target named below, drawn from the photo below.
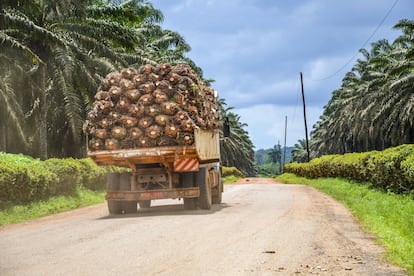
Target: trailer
(191, 173)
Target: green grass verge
(84, 197)
(388, 216)
(19, 213)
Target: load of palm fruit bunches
(154, 105)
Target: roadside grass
(54, 205)
(19, 213)
(388, 216)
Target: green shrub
(93, 177)
(227, 171)
(407, 170)
(385, 169)
(389, 170)
(24, 179)
(68, 172)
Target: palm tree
(59, 41)
(373, 108)
(400, 84)
(62, 50)
(70, 46)
(237, 150)
(275, 154)
(299, 152)
(153, 44)
(12, 105)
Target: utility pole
(304, 116)
(284, 146)
(279, 149)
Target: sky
(254, 50)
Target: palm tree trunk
(43, 114)
(3, 138)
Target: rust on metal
(153, 194)
(127, 158)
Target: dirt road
(259, 229)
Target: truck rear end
(160, 121)
(191, 173)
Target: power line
(363, 45)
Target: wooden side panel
(128, 158)
(206, 148)
(207, 144)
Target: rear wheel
(144, 204)
(115, 207)
(187, 181)
(129, 207)
(218, 191)
(112, 184)
(202, 179)
(190, 203)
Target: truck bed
(206, 149)
(128, 157)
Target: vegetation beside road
(62, 50)
(31, 188)
(388, 170)
(24, 180)
(57, 204)
(388, 216)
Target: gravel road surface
(261, 228)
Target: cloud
(181, 6)
(325, 67)
(255, 50)
(251, 90)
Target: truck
(191, 173)
(161, 122)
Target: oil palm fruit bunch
(154, 105)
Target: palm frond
(12, 112)
(7, 40)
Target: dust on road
(259, 229)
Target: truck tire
(190, 203)
(202, 180)
(144, 204)
(187, 181)
(129, 207)
(218, 191)
(115, 207)
(120, 206)
(125, 181)
(112, 182)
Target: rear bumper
(153, 194)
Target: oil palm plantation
(64, 49)
(373, 109)
(56, 54)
